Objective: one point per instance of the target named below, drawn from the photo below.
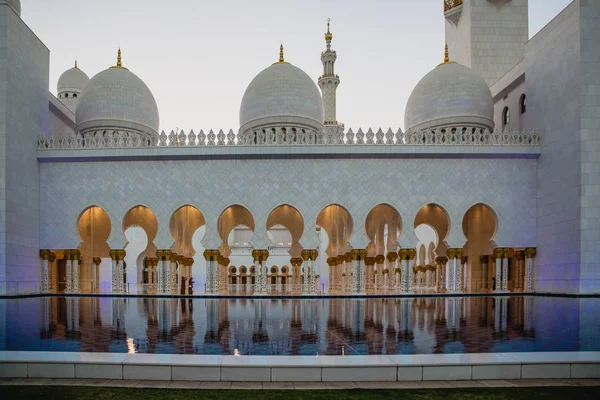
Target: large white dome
(451, 94)
(281, 95)
(15, 4)
(73, 80)
(117, 99)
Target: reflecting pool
(301, 326)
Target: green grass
(517, 393)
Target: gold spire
(446, 57)
(119, 60)
(76, 64)
(328, 35)
(281, 59)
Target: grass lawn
(63, 392)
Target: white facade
(293, 194)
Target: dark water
(301, 326)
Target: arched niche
(93, 227)
(338, 224)
(435, 216)
(480, 225)
(428, 241)
(383, 226)
(183, 224)
(140, 227)
(232, 217)
(288, 217)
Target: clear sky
(198, 56)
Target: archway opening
(336, 226)
(140, 227)
(479, 226)
(94, 228)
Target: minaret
(329, 81)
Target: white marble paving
(450, 373)
(545, 371)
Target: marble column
(69, 272)
(224, 265)
(348, 271)
(113, 270)
(391, 258)
(484, 262)
(411, 266)
(506, 254)
(173, 279)
(45, 255)
(306, 256)
(121, 270)
(441, 277)
(96, 274)
(331, 263)
(370, 273)
(458, 272)
(362, 257)
(403, 257)
(379, 261)
(451, 253)
(340, 265)
(211, 271)
(51, 275)
(256, 258)
(75, 265)
(530, 253)
(498, 254)
(519, 271)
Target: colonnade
(354, 272)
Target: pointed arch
(184, 223)
(338, 223)
(437, 217)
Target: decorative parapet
(450, 4)
(331, 136)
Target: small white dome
(73, 80)
(15, 4)
(117, 99)
(451, 94)
(281, 95)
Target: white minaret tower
(329, 81)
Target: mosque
(492, 187)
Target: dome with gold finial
(117, 99)
(282, 95)
(14, 4)
(451, 94)
(70, 86)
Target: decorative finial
(446, 55)
(119, 63)
(76, 64)
(281, 59)
(328, 35)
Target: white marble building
(494, 185)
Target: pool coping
(369, 368)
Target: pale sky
(198, 56)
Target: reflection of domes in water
(116, 99)
(451, 94)
(281, 95)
